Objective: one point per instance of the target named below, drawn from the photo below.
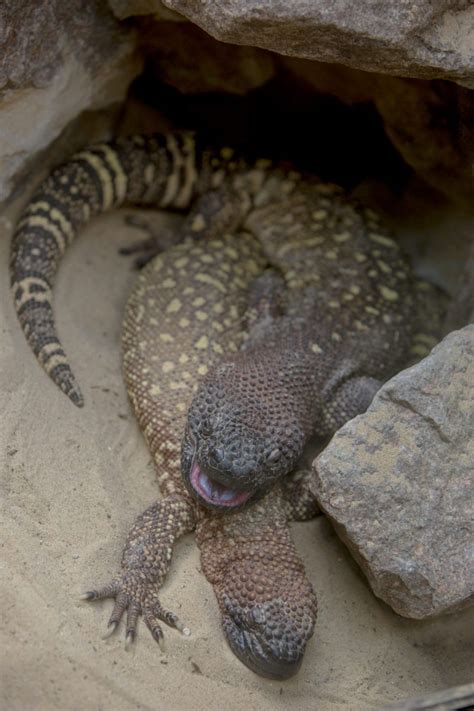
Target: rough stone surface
(185, 57)
(431, 124)
(128, 8)
(56, 60)
(397, 482)
(462, 308)
(419, 38)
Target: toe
(121, 604)
(111, 627)
(110, 590)
(169, 618)
(153, 624)
(132, 619)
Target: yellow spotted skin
(267, 603)
(168, 347)
(349, 283)
(342, 318)
(167, 171)
(340, 264)
(348, 316)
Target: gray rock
(398, 483)
(128, 8)
(420, 38)
(182, 55)
(462, 306)
(56, 60)
(429, 123)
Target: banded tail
(159, 170)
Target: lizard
(322, 314)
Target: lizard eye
(205, 429)
(274, 456)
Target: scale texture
(276, 319)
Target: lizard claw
(134, 598)
(111, 627)
(110, 590)
(130, 639)
(156, 633)
(145, 561)
(155, 614)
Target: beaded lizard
(248, 344)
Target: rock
(421, 38)
(56, 60)
(397, 483)
(128, 8)
(183, 56)
(461, 310)
(428, 123)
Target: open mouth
(215, 493)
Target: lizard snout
(269, 638)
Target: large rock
(56, 60)
(398, 483)
(429, 123)
(422, 38)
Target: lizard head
(270, 637)
(267, 603)
(242, 435)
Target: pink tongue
(216, 493)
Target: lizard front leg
(145, 562)
(213, 214)
(346, 400)
(168, 342)
(300, 502)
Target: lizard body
(249, 345)
(346, 323)
(267, 604)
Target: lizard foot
(133, 596)
(145, 562)
(145, 249)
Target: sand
(72, 483)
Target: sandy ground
(73, 481)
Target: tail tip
(69, 386)
(76, 398)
